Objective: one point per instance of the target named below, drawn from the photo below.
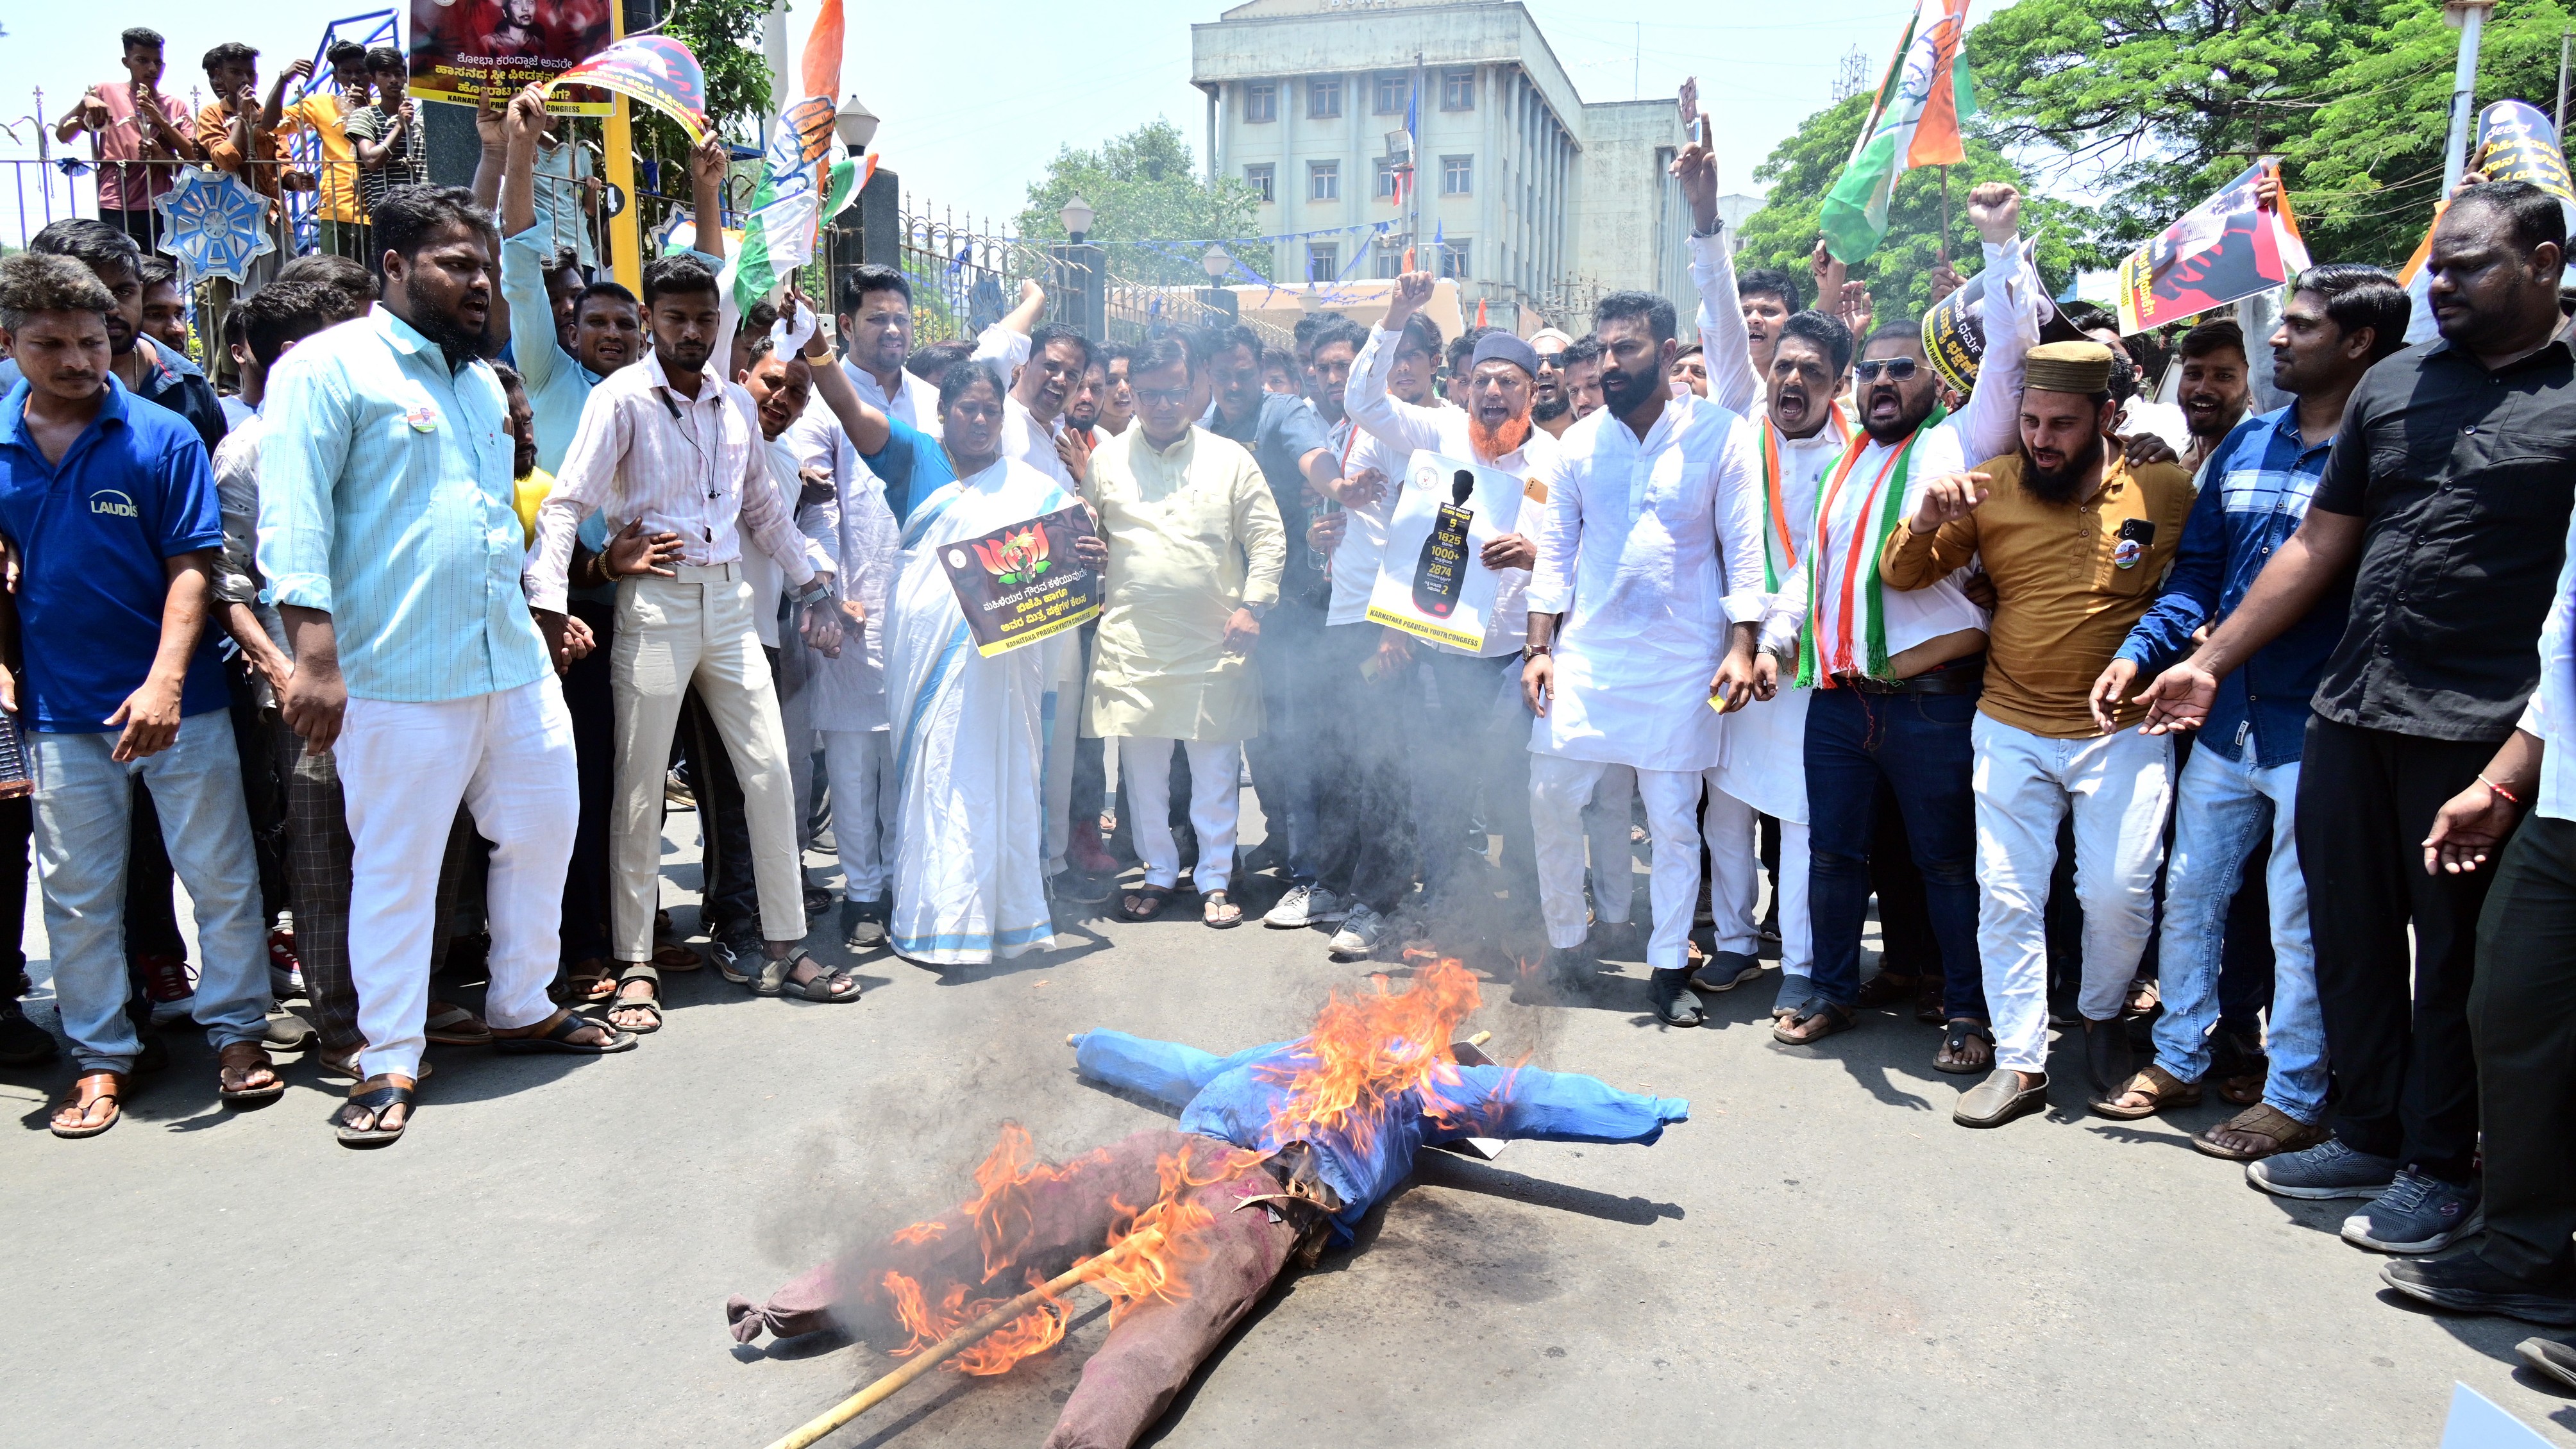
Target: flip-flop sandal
(672, 956)
(2161, 1088)
(2141, 1000)
(1812, 1023)
(456, 1027)
(246, 1057)
(587, 983)
(113, 1094)
(1220, 912)
(1956, 1039)
(622, 1002)
(1145, 902)
(2285, 1132)
(557, 1039)
(375, 1102)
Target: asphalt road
(1817, 1257)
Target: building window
(1457, 175)
(1458, 90)
(1264, 182)
(1389, 259)
(1261, 101)
(1386, 178)
(1323, 181)
(1454, 263)
(1393, 89)
(1324, 98)
(1323, 261)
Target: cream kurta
(1193, 535)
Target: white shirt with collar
(2551, 715)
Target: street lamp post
(1081, 269)
(855, 124)
(1218, 297)
(2470, 16)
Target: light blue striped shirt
(558, 385)
(384, 502)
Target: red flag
(1480, 311)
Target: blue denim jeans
(2222, 809)
(83, 805)
(1917, 743)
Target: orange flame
(996, 1352)
(1148, 1257)
(1372, 1047)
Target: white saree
(971, 739)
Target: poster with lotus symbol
(1019, 584)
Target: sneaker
(2470, 1284)
(2326, 1170)
(1306, 906)
(171, 986)
(863, 924)
(1358, 937)
(2418, 1214)
(1727, 970)
(285, 968)
(736, 953)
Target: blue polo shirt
(131, 491)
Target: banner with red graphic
(462, 48)
(654, 69)
(1019, 584)
(2224, 250)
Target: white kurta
(1649, 549)
(1401, 427)
(847, 692)
(1763, 754)
(970, 743)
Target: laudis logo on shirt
(113, 504)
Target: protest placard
(1021, 583)
(1429, 582)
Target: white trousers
(860, 766)
(1216, 806)
(404, 768)
(1605, 825)
(1733, 831)
(1559, 789)
(672, 633)
(1063, 733)
(2119, 787)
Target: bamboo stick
(921, 1363)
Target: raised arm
(1391, 420)
(1941, 536)
(1527, 1103)
(868, 429)
(1990, 425)
(1007, 341)
(1722, 339)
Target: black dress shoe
(2106, 1054)
(2468, 1283)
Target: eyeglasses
(1162, 397)
(1898, 369)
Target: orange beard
(1495, 442)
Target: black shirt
(2464, 479)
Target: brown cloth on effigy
(1155, 1346)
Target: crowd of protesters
(2218, 740)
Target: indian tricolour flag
(801, 186)
(1914, 122)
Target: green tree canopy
(2157, 103)
(1145, 185)
(725, 37)
(1802, 169)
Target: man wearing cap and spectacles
(1551, 407)
(2075, 538)
(1896, 673)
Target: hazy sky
(977, 97)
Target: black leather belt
(1959, 676)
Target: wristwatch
(815, 593)
(1259, 611)
(1533, 651)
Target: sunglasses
(1162, 397)
(1897, 369)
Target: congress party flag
(2224, 250)
(800, 186)
(1914, 122)
(653, 69)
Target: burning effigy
(1280, 1150)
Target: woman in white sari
(970, 731)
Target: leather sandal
(246, 1057)
(87, 1090)
(2162, 1089)
(1813, 1022)
(1958, 1056)
(1999, 1099)
(375, 1101)
(2283, 1133)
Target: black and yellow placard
(1021, 583)
(2517, 142)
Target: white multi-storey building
(1539, 200)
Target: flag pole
(1945, 216)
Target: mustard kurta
(1193, 535)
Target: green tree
(2154, 104)
(725, 37)
(1802, 169)
(1145, 186)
